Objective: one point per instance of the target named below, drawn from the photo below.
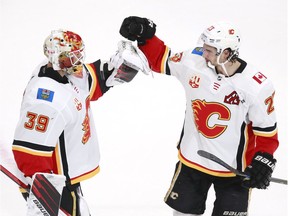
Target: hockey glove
(127, 61)
(106, 69)
(137, 28)
(260, 171)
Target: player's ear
(226, 52)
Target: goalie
(55, 143)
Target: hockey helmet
(65, 50)
(221, 35)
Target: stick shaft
(230, 168)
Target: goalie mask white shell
(65, 50)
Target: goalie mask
(222, 36)
(65, 50)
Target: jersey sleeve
(36, 136)
(162, 60)
(156, 53)
(97, 80)
(263, 118)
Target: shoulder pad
(198, 51)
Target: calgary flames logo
(86, 123)
(203, 111)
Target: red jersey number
(36, 122)
(270, 103)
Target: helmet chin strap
(223, 64)
(226, 73)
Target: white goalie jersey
(56, 131)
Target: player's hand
(137, 28)
(260, 171)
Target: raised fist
(137, 28)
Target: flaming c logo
(86, 123)
(203, 111)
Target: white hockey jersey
(230, 117)
(56, 131)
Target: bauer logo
(45, 94)
(234, 213)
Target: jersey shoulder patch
(259, 77)
(45, 94)
(176, 57)
(198, 51)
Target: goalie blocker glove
(126, 63)
(260, 171)
(137, 28)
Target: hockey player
(229, 113)
(55, 143)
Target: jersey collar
(50, 73)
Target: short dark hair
(234, 54)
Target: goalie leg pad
(45, 194)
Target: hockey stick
(14, 178)
(233, 170)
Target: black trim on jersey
(51, 73)
(168, 72)
(267, 129)
(243, 65)
(240, 150)
(33, 146)
(102, 76)
(89, 76)
(181, 136)
(64, 158)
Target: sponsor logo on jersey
(177, 57)
(259, 77)
(45, 94)
(232, 98)
(194, 81)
